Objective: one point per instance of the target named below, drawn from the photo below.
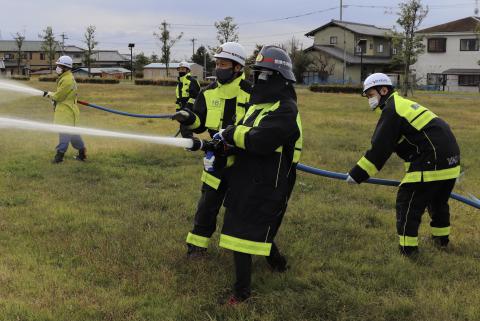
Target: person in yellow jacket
(66, 109)
(222, 103)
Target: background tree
(411, 45)
(49, 45)
(154, 58)
(19, 39)
(202, 57)
(167, 42)
(140, 62)
(91, 43)
(227, 30)
(321, 64)
(300, 60)
(250, 61)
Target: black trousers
(413, 199)
(208, 207)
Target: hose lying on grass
(472, 201)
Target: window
(9, 56)
(371, 45)
(468, 80)
(394, 51)
(42, 56)
(333, 40)
(30, 55)
(380, 48)
(437, 45)
(468, 44)
(435, 79)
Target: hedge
(163, 82)
(19, 77)
(348, 89)
(83, 80)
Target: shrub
(20, 77)
(347, 89)
(163, 82)
(97, 80)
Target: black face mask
(269, 90)
(224, 75)
(181, 74)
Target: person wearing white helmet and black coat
(222, 103)
(432, 161)
(66, 109)
(267, 146)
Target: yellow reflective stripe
(210, 180)
(441, 231)
(230, 160)
(245, 246)
(239, 135)
(367, 166)
(279, 149)
(191, 101)
(195, 124)
(408, 240)
(296, 156)
(198, 240)
(442, 174)
(431, 176)
(423, 119)
(407, 166)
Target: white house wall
(437, 62)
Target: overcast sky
(119, 22)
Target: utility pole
(344, 44)
(193, 44)
(64, 36)
(131, 46)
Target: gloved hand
(350, 180)
(47, 94)
(208, 161)
(219, 136)
(181, 116)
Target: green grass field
(105, 240)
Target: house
(159, 70)
(107, 72)
(33, 57)
(364, 48)
(109, 58)
(451, 57)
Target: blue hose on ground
(474, 202)
(123, 113)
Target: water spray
(39, 126)
(12, 86)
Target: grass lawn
(105, 240)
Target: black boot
(195, 252)
(82, 154)
(440, 241)
(277, 262)
(58, 157)
(408, 251)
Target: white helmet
(184, 64)
(377, 79)
(233, 51)
(65, 61)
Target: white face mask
(58, 70)
(373, 102)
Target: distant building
(451, 57)
(107, 72)
(109, 58)
(33, 57)
(159, 70)
(368, 49)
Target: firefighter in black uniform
(267, 146)
(432, 161)
(222, 103)
(187, 87)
